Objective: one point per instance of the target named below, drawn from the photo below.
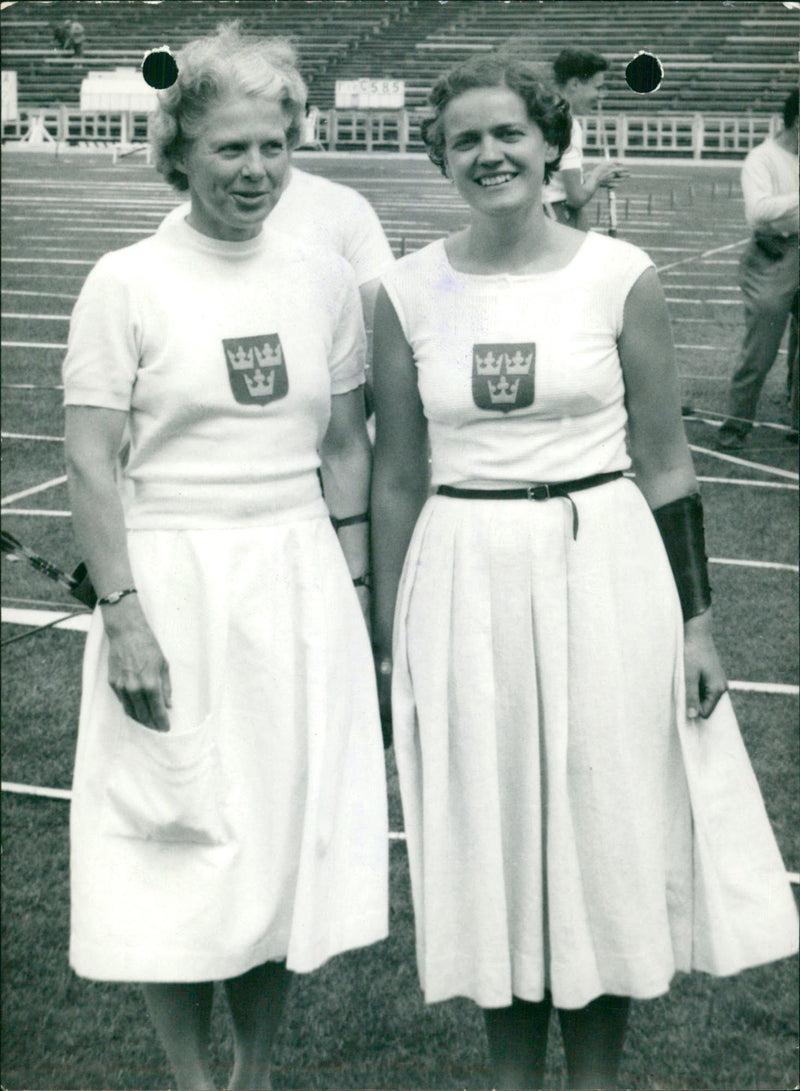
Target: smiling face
(237, 167)
(496, 154)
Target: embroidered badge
(502, 376)
(256, 368)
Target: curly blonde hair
(211, 68)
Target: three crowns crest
(256, 368)
(503, 375)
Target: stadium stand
(719, 59)
(716, 57)
(118, 35)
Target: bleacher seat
(734, 58)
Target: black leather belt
(534, 492)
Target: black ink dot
(644, 73)
(159, 68)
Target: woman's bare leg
(181, 1014)
(518, 1043)
(593, 1039)
(257, 1000)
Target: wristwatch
(113, 597)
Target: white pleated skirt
(256, 829)
(568, 828)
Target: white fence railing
(694, 136)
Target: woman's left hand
(705, 678)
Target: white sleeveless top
(519, 374)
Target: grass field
(360, 1022)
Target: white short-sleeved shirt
(225, 355)
(519, 375)
(315, 210)
(572, 159)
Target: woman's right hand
(609, 173)
(138, 673)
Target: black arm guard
(681, 525)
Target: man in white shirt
(580, 78)
(768, 276)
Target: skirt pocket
(167, 787)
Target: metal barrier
(66, 125)
(694, 136)
(697, 135)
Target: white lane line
(746, 462)
(765, 687)
(47, 295)
(704, 348)
(34, 790)
(47, 512)
(31, 345)
(703, 302)
(90, 251)
(38, 317)
(755, 564)
(700, 257)
(13, 615)
(46, 261)
(746, 481)
(36, 488)
(25, 435)
(696, 414)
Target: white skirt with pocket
(568, 829)
(255, 829)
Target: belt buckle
(538, 492)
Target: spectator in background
(60, 29)
(580, 77)
(75, 37)
(767, 276)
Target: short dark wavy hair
(580, 63)
(499, 69)
(215, 66)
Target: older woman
(228, 819)
(582, 820)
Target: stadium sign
(119, 89)
(370, 94)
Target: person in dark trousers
(768, 276)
